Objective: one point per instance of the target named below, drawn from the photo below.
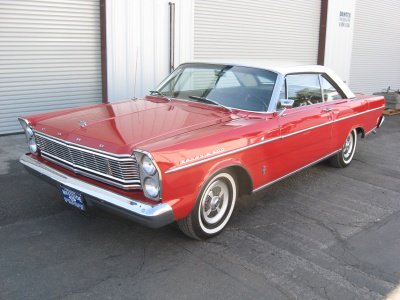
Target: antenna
(134, 80)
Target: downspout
(103, 39)
(322, 32)
(171, 36)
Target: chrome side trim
(154, 216)
(221, 155)
(361, 113)
(175, 169)
(295, 171)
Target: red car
(208, 134)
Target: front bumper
(153, 216)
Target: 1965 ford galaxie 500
(208, 134)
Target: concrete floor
(323, 233)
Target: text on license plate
(72, 197)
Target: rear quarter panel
(360, 112)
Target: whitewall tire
(213, 209)
(344, 157)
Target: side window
(304, 89)
(330, 92)
(282, 95)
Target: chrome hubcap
(348, 147)
(215, 202)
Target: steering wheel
(255, 98)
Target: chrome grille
(122, 170)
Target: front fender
(182, 187)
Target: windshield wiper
(204, 99)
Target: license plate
(73, 198)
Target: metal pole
(171, 36)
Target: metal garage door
(375, 61)
(49, 57)
(265, 30)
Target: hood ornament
(82, 123)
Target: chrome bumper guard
(153, 216)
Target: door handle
(327, 109)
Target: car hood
(121, 126)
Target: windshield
(231, 86)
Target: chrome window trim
(320, 74)
(280, 79)
(175, 169)
(320, 87)
(268, 111)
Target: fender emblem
(201, 156)
(82, 123)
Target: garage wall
(49, 57)
(138, 44)
(375, 61)
(264, 30)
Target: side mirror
(284, 105)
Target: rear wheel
(344, 157)
(213, 209)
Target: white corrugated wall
(266, 30)
(339, 36)
(138, 44)
(49, 57)
(375, 61)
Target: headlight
(32, 145)
(151, 187)
(30, 136)
(148, 166)
(150, 175)
(29, 132)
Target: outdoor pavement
(323, 233)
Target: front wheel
(213, 209)
(344, 157)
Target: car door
(306, 128)
(343, 110)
